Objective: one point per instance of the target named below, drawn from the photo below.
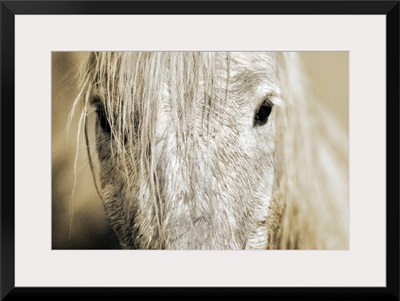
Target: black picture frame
(11, 8)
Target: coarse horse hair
(214, 150)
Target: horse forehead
(256, 60)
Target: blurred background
(329, 77)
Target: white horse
(215, 150)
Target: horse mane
(311, 192)
(309, 209)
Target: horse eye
(262, 114)
(102, 118)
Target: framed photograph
(223, 149)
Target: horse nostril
(262, 114)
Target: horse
(214, 150)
